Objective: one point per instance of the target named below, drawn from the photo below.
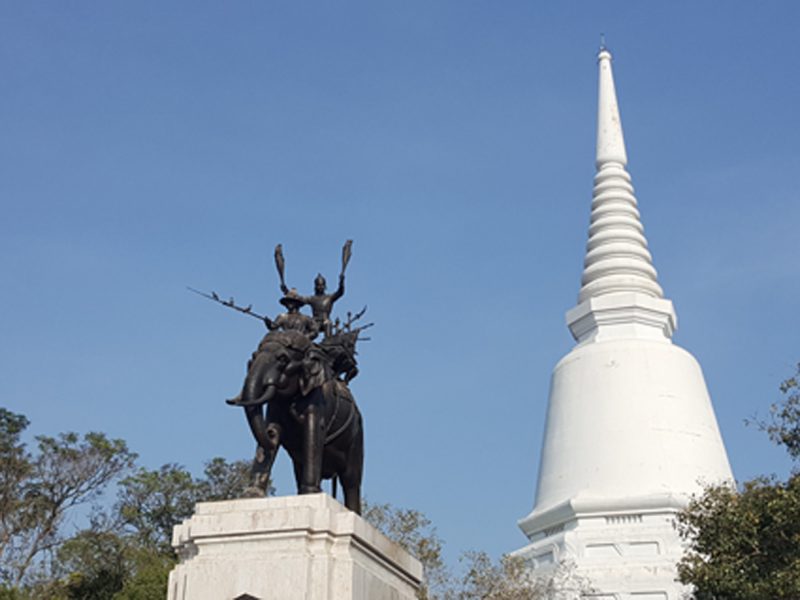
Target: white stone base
(624, 549)
(293, 547)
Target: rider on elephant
(321, 303)
(293, 319)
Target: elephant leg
(310, 478)
(352, 493)
(297, 465)
(262, 464)
(352, 474)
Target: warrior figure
(321, 303)
(293, 319)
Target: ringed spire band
(619, 285)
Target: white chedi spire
(630, 432)
(620, 294)
(617, 258)
(610, 141)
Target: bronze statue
(296, 392)
(321, 303)
(309, 412)
(293, 319)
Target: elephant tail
(334, 480)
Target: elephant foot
(310, 489)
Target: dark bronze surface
(296, 392)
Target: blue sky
(149, 146)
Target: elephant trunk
(259, 387)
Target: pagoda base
(616, 549)
(306, 547)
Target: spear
(247, 310)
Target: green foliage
(15, 468)
(225, 480)
(409, 528)
(783, 427)
(130, 554)
(151, 502)
(508, 579)
(101, 565)
(37, 491)
(745, 545)
(483, 579)
(149, 577)
(412, 530)
(93, 564)
(124, 554)
(511, 578)
(42, 589)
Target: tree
(125, 552)
(783, 427)
(745, 544)
(93, 564)
(38, 491)
(15, 468)
(127, 555)
(100, 564)
(413, 531)
(151, 502)
(509, 578)
(223, 480)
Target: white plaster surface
(622, 555)
(630, 433)
(289, 548)
(628, 418)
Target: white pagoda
(630, 432)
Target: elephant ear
(313, 375)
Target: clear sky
(147, 146)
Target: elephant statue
(309, 411)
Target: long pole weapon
(347, 252)
(247, 310)
(280, 264)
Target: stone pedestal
(288, 548)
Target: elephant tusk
(269, 394)
(234, 401)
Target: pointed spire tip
(610, 141)
(603, 52)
